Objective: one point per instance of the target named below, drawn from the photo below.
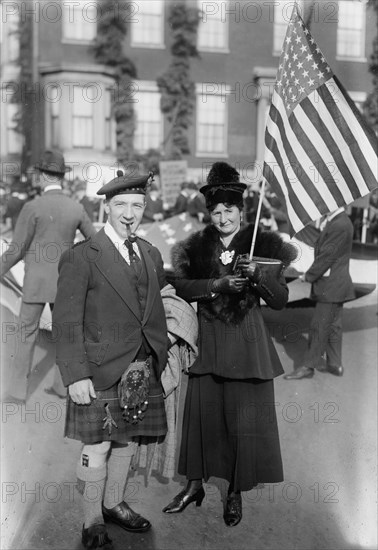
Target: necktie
(132, 254)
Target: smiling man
(111, 350)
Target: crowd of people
(112, 305)
(189, 199)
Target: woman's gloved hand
(230, 284)
(250, 269)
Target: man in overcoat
(110, 317)
(331, 287)
(45, 228)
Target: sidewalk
(328, 433)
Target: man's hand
(82, 391)
(250, 269)
(230, 284)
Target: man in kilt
(111, 350)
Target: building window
(351, 29)
(109, 122)
(211, 124)
(147, 28)
(282, 15)
(14, 139)
(79, 21)
(212, 28)
(54, 118)
(149, 121)
(10, 37)
(359, 99)
(82, 117)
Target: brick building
(239, 44)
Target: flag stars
(311, 82)
(320, 75)
(304, 74)
(314, 65)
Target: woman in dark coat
(230, 426)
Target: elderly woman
(230, 426)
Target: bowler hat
(223, 185)
(52, 161)
(124, 184)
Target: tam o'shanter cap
(52, 161)
(223, 184)
(125, 185)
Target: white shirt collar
(335, 213)
(53, 187)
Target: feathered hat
(223, 185)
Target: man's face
(125, 213)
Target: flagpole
(262, 192)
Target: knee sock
(118, 469)
(91, 474)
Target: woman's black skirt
(230, 431)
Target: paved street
(328, 437)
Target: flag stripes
(288, 141)
(327, 186)
(362, 146)
(319, 153)
(359, 123)
(323, 128)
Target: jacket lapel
(153, 289)
(110, 263)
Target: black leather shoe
(337, 371)
(302, 372)
(96, 537)
(192, 493)
(125, 517)
(233, 510)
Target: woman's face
(226, 218)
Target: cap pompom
(119, 174)
(222, 172)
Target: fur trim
(198, 258)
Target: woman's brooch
(226, 257)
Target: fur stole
(198, 258)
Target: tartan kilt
(86, 422)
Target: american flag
(168, 232)
(319, 152)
